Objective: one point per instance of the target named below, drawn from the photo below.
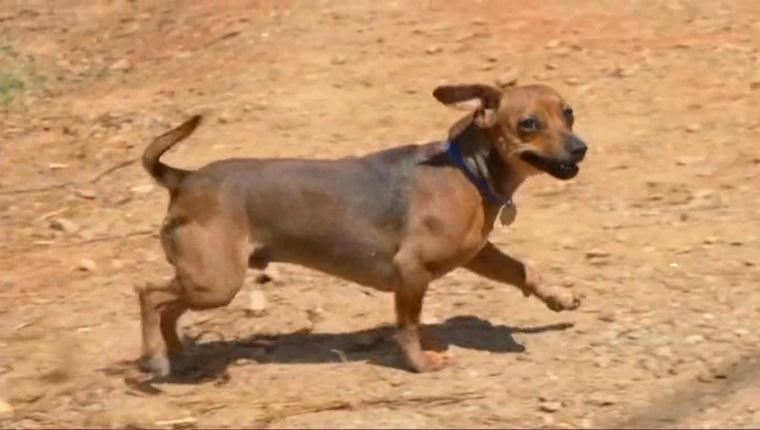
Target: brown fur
(393, 220)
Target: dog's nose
(576, 147)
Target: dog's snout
(576, 147)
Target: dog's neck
(474, 151)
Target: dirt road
(661, 230)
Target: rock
(608, 317)
(224, 118)
(754, 85)
(550, 407)
(64, 225)
(664, 352)
(601, 399)
(432, 50)
(257, 302)
(6, 410)
(180, 423)
(695, 338)
(57, 166)
(693, 127)
(122, 65)
(316, 315)
(598, 257)
(573, 80)
(86, 193)
(597, 253)
(142, 189)
(87, 265)
(718, 372)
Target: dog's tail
(168, 176)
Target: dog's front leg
(423, 353)
(417, 349)
(493, 264)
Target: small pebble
(87, 265)
(64, 225)
(86, 193)
(142, 189)
(550, 407)
(433, 50)
(122, 65)
(693, 128)
(597, 253)
(257, 302)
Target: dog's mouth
(558, 168)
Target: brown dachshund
(393, 220)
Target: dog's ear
(480, 98)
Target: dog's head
(530, 126)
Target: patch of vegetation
(10, 85)
(18, 74)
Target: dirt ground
(661, 230)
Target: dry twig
(94, 180)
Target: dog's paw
(560, 299)
(156, 366)
(431, 361)
(428, 361)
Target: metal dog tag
(508, 214)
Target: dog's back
(338, 216)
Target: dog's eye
(569, 115)
(529, 124)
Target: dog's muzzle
(561, 167)
(576, 148)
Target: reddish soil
(661, 230)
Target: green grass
(10, 87)
(24, 78)
(18, 74)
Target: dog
(393, 220)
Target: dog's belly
(354, 259)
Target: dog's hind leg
(153, 298)
(210, 261)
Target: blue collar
(480, 182)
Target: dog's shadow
(210, 360)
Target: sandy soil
(661, 230)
